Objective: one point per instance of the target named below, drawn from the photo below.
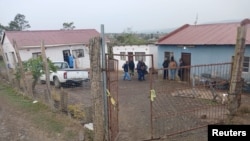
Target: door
(130, 56)
(65, 55)
(187, 61)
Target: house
(137, 53)
(58, 43)
(204, 44)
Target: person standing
(143, 70)
(71, 61)
(139, 71)
(131, 65)
(165, 67)
(181, 69)
(126, 73)
(172, 67)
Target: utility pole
(236, 80)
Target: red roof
(206, 34)
(51, 37)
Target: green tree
(68, 26)
(128, 37)
(18, 24)
(2, 28)
(36, 67)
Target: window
(78, 53)
(168, 55)
(60, 65)
(140, 56)
(246, 62)
(36, 54)
(122, 57)
(13, 57)
(6, 56)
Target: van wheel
(57, 82)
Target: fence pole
(236, 81)
(95, 65)
(20, 65)
(47, 74)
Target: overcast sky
(118, 15)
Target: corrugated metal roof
(206, 34)
(51, 37)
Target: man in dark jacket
(139, 71)
(165, 66)
(143, 70)
(125, 69)
(131, 65)
(181, 70)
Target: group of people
(171, 65)
(168, 65)
(129, 69)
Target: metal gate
(181, 110)
(113, 103)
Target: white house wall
(83, 62)
(26, 54)
(148, 49)
(154, 50)
(56, 54)
(7, 50)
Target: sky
(120, 15)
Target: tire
(56, 82)
(80, 84)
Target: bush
(76, 111)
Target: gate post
(236, 82)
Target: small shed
(137, 53)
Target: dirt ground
(134, 112)
(15, 124)
(134, 107)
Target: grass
(40, 115)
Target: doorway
(187, 61)
(130, 56)
(65, 55)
